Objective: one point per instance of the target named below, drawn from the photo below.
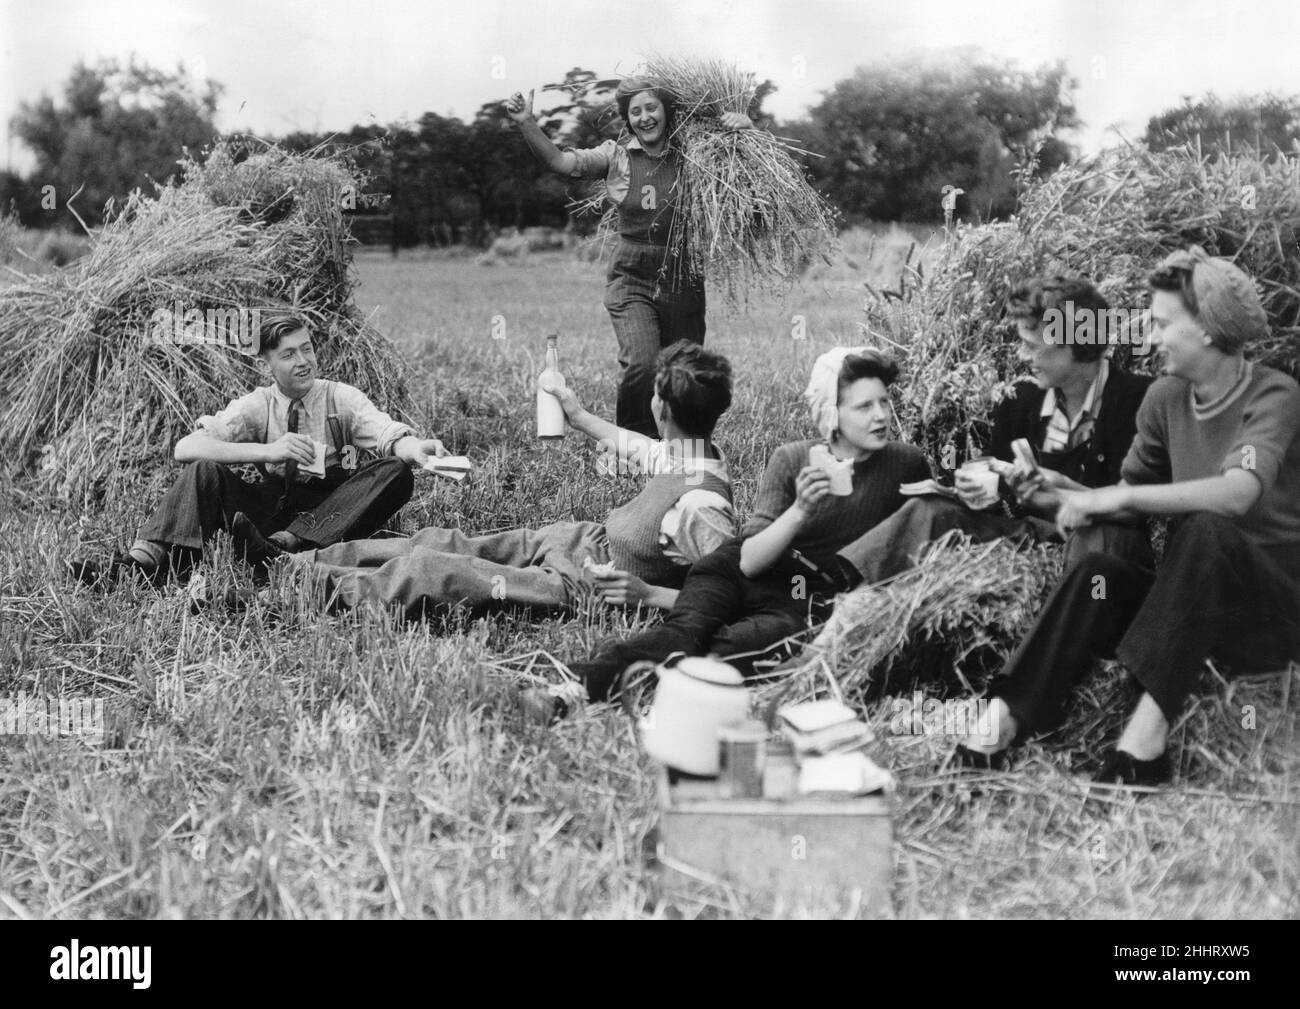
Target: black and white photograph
(620, 461)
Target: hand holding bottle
(556, 387)
(552, 418)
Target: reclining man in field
(1218, 446)
(760, 588)
(281, 428)
(641, 552)
(1078, 413)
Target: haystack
(1110, 218)
(95, 400)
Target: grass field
(276, 762)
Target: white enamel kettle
(695, 697)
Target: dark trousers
(718, 611)
(1216, 594)
(892, 546)
(206, 496)
(648, 313)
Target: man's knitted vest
(633, 528)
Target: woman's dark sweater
(835, 521)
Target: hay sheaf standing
(98, 390)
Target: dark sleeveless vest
(646, 212)
(633, 528)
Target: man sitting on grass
(641, 552)
(1078, 413)
(1218, 446)
(282, 428)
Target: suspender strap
(266, 433)
(332, 415)
(338, 430)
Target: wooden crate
(798, 852)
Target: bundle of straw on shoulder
(746, 214)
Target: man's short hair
(1031, 300)
(275, 326)
(870, 363)
(695, 384)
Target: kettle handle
(769, 712)
(633, 679)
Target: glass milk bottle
(551, 422)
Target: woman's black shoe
(841, 576)
(976, 760)
(1121, 768)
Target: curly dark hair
(1033, 299)
(870, 363)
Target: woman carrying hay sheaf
(651, 303)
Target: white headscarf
(823, 392)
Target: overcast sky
(327, 64)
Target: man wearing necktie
(305, 435)
(291, 466)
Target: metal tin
(780, 772)
(741, 751)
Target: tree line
(889, 139)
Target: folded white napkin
(845, 773)
(453, 467)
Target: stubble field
(278, 762)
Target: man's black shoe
(250, 544)
(120, 567)
(93, 574)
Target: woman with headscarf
(755, 591)
(651, 302)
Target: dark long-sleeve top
(1096, 462)
(835, 521)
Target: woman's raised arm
(520, 110)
